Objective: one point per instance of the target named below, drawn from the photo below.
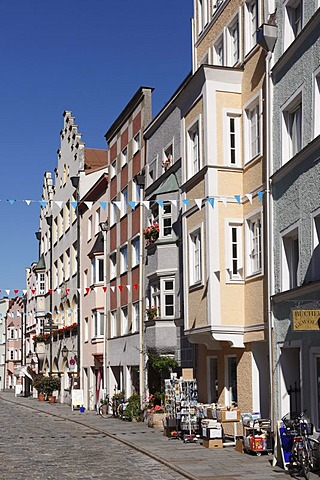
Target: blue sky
(87, 57)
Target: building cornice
(296, 293)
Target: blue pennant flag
(186, 202)
(74, 204)
(237, 197)
(103, 205)
(211, 201)
(133, 204)
(260, 196)
(43, 203)
(11, 201)
(160, 202)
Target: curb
(110, 435)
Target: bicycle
(105, 407)
(299, 428)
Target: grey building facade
(296, 210)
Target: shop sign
(303, 319)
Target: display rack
(257, 436)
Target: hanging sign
(304, 320)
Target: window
(113, 169)
(136, 143)
(166, 220)
(135, 251)
(195, 257)
(316, 106)
(113, 324)
(155, 296)
(97, 270)
(113, 265)
(86, 329)
(292, 21)
(67, 264)
(316, 247)
(98, 323)
(251, 24)
(292, 129)
(167, 297)
(234, 251)
(123, 259)
(135, 317)
(124, 157)
(60, 224)
(89, 228)
(233, 43)
(233, 150)
(124, 201)
(213, 380)
(216, 4)
(97, 223)
(231, 396)
(85, 279)
(254, 245)
(74, 259)
(202, 15)
(12, 334)
(218, 53)
(66, 216)
(252, 131)
(124, 321)
(194, 149)
(135, 191)
(41, 284)
(167, 157)
(113, 212)
(290, 259)
(11, 355)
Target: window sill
(252, 160)
(195, 286)
(254, 276)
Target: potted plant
(39, 384)
(151, 233)
(51, 384)
(133, 410)
(152, 312)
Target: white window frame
(315, 255)
(227, 388)
(124, 321)
(113, 265)
(252, 21)
(292, 115)
(124, 156)
(113, 324)
(135, 251)
(124, 201)
(41, 283)
(233, 54)
(167, 154)
(136, 143)
(250, 126)
(216, 4)
(195, 256)
(113, 169)
(89, 228)
(290, 31)
(152, 170)
(113, 212)
(163, 295)
(252, 240)
(218, 51)
(86, 330)
(290, 279)
(234, 114)
(163, 217)
(123, 259)
(234, 225)
(316, 103)
(202, 14)
(135, 317)
(97, 276)
(97, 221)
(98, 324)
(194, 162)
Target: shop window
(213, 380)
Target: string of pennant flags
(67, 291)
(133, 204)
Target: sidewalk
(192, 460)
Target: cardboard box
(239, 445)
(209, 433)
(229, 415)
(213, 443)
(187, 374)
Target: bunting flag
(104, 289)
(74, 204)
(59, 203)
(211, 201)
(28, 202)
(133, 205)
(120, 287)
(249, 197)
(103, 205)
(113, 288)
(198, 202)
(160, 203)
(88, 204)
(238, 199)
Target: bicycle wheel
(103, 411)
(305, 461)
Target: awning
(22, 372)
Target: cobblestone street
(35, 445)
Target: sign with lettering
(304, 320)
(76, 398)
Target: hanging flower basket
(151, 233)
(152, 313)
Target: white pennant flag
(117, 204)
(249, 197)
(128, 287)
(59, 290)
(28, 202)
(79, 290)
(7, 292)
(59, 203)
(24, 292)
(198, 202)
(146, 203)
(113, 289)
(18, 314)
(224, 201)
(89, 204)
(174, 202)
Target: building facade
(4, 305)
(14, 345)
(296, 207)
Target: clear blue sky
(86, 56)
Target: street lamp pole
(104, 229)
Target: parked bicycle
(299, 428)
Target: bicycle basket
(290, 421)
